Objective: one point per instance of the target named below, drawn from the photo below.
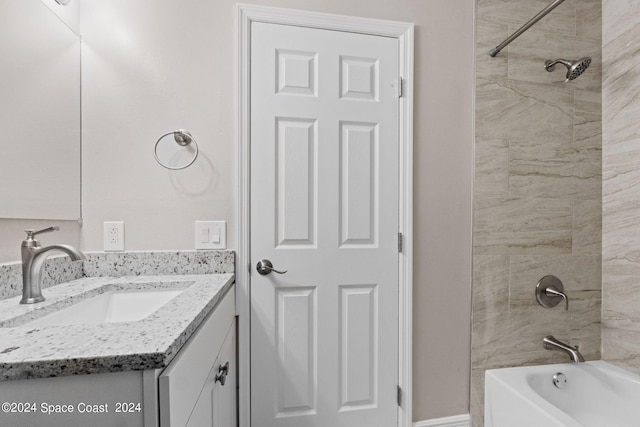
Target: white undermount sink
(109, 307)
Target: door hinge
(399, 85)
(399, 242)
(399, 396)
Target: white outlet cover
(113, 236)
(211, 235)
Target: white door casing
(361, 293)
(324, 206)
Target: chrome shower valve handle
(550, 291)
(553, 292)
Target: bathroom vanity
(174, 367)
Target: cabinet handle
(221, 376)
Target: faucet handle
(31, 232)
(552, 291)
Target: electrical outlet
(211, 234)
(113, 236)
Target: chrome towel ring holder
(182, 138)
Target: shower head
(574, 68)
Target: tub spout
(550, 343)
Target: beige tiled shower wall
(621, 184)
(537, 188)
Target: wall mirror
(39, 114)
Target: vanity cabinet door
(224, 396)
(202, 414)
(216, 405)
(186, 386)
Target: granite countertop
(151, 343)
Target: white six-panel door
(324, 207)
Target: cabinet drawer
(182, 381)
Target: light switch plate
(211, 234)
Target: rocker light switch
(204, 234)
(211, 235)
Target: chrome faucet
(33, 258)
(550, 343)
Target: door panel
(324, 207)
(359, 78)
(358, 184)
(358, 346)
(296, 340)
(296, 178)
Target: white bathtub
(596, 394)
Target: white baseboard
(455, 421)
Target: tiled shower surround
(537, 186)
(621, 184)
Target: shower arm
(493, 52)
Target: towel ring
(182, 138)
